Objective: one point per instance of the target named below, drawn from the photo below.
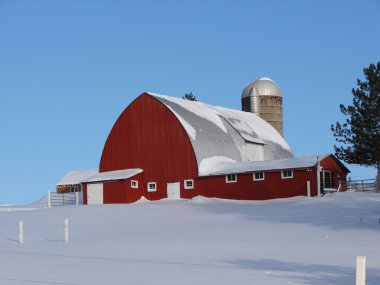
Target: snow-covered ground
(198, 241)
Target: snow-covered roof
(114, 175)
(77, 177)
(215, 166)
(226, 133)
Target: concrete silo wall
(271, 111)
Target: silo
(263, 98)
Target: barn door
(173, 190)
(95, 194)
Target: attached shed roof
(76, 177)
(214, 131)
(114, 175)
(217, 168)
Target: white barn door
(174, 190)
(95, 194)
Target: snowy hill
(198, 241)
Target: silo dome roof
(263, 86)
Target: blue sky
(69, 68)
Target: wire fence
(10, 280)
(257, 267)
(365, 185)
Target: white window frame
(75, 188)
(188, 186)
(258, 179)
(152, 184)
(231, 175)
(286, 177)
(136, 184)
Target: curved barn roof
(225, 135)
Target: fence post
(349, 184)
(20, 231)
(360, 270)
(66, 226)
(49, 200)
(318, 178)
(308, 188)
(76, 198)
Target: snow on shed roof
(215, 166)
(214, 131)
(114, 175)
(76, 177)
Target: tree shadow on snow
(315, 274)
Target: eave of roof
(223, 168)
(114, 175)
(92, 176)
(76, 177)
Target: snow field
(198, 241)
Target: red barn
(165, 147)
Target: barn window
(152, 186)
(287, 174)
(189, 184)
(134, 184)
(258, 176)
(231, 178)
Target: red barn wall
(115, 192)
(147, 135)
(247, 189)
(190, 193)
(273, 186)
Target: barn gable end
(148, 136)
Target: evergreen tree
(190, 96)
(359, 135)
